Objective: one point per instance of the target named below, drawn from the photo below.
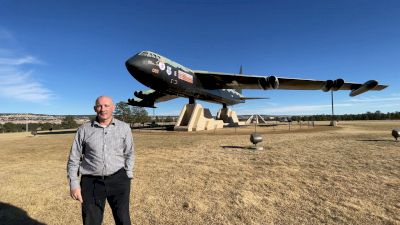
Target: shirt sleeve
(74, 160)
(129, 152)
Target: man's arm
(74, 160)
(129, 152)
(76, 194)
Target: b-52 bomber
(168, 80)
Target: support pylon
(194, 117)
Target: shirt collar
(95, 123)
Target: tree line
(134, 114)
(378, 115)
(67, 123)
(123, 111)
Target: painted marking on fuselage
(169, 70)
(185, 76)
(150, 62)
(174, 81)
(155, 71)
(161, 65)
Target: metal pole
(332, 106)
(333, 122)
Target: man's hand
(76, 194)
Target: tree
(130, 114)
(10, 127)
(139, 115)
(69, 122)
(169, 119)
(123, 112)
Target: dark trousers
(95, 191)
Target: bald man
(102, 153)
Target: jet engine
(270, 82)
(141, 103)
(363, 88)
(139, 94)
(332, 85)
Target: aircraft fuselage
(165, 75)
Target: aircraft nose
(132, 64)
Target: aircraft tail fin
(240, 72)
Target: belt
(104, 177)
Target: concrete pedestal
(194, 117)
(229, 117)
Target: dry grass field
(349, 174)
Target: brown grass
(323, 175)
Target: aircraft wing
(149, 98)
(216, 80)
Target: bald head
(104, 107)
(103, 97)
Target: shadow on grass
(233, 146)
(377, 140)
(158, 127)
(251, 148)
(57, 132)
(12, 215)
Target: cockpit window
(165, 60)
(150, 54)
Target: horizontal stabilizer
(252, 98)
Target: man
(102, 153)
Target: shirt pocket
(118, 145)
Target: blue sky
(56, 57)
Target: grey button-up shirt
(100, 151)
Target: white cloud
(19, 61)
(13, 78)
(17, 83)
(21, 85)
(372, 99)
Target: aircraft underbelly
(218, 95)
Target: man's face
(104, 108)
